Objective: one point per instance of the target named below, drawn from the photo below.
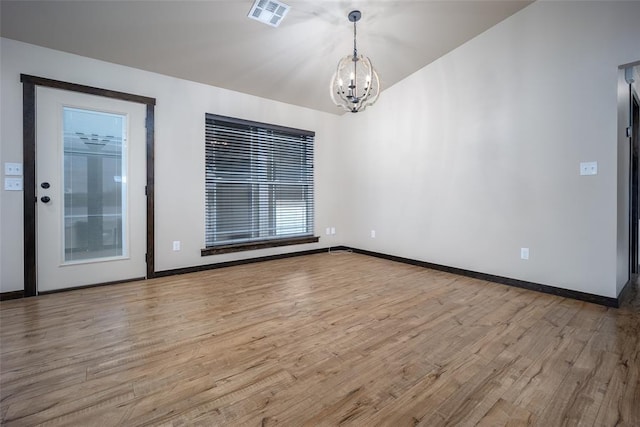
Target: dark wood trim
(150, 190)
(250, 246)
(627, 290)
(566, 293)
(94, 285)
(29, 84)
(5, 296)
(634, 177)
(73, 87)
(270, 126)
(197, 268)
(29, 186)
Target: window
(95, 190)
(259, 185)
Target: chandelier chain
(355, 49)
(355, 84)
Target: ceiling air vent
(270, 12)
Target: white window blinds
(259, 181)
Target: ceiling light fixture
(363, 85)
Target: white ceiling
(214, 42)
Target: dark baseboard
(566, 293)
(4, 296)
(205, 267)
(627, 289)
(547, 289)
(20, 294)
(95, 285)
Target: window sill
(262, 244)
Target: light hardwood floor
(325, 339)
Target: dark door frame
(29, 84)
(634, 184)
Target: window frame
(259, 243)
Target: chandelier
(355, 84)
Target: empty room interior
(302, 212)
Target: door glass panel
(95, 159)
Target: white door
(91, 203)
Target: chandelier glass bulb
(355, 84)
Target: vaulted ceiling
(213, 42)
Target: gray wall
(477, 155)
(624, 120)
(179, 156)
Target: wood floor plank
(503, 413)
(325, 339)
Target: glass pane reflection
(94, 184)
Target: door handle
(45, 199)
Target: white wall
(477, 155)
(181, 106)
(462, 163)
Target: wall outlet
(13, 184)
(176, 245)
(373, 234)
(327, 231)
(524, 253)
(14, 169)
(333, 230)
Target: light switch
(13, 184)
(589, 168)
(14, 169)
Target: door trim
(29, 84)
(634, 182)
